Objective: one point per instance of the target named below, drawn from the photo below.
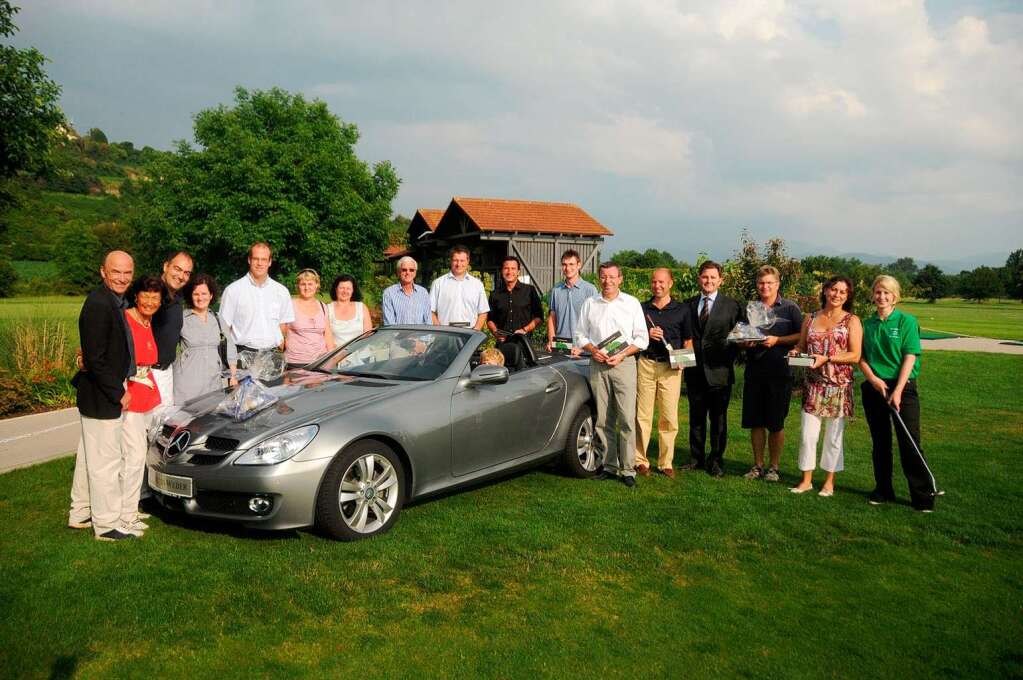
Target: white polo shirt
(255, 312)
(458, 300)
(600, 318)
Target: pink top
(305, 340)
(828, 392)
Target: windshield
(394, 355)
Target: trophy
(760, 318)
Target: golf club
(898, 417)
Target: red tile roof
(394, 252)
(534, 217)
(431, 216)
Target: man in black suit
(709, 383)
(108, 358)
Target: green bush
(8, 277)
(15, 395)
(78, 257)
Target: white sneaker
(84, 524)
(136, 528)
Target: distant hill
(83, 184)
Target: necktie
(705, 312)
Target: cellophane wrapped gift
(759, 317)
(264, 364)
(246, 400)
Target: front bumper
(223, 490)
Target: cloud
(879, 120)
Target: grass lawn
(20, 311)
(542, 575)
(1002, 320)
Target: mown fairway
(1002, 320)
(541, 575)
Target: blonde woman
(309, 334)
(890, 364)
(833, 336)
(349, 317)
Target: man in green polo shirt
(891, 362)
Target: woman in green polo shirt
(891, 362)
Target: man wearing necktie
(709, 383)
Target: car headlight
(280, 448)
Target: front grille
(201, 459)
(225, 502)
(220, 444)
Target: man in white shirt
(613, 368)
(255, 307)
(458, 299)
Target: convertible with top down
(398, 414)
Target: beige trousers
(134, 445)
(614, 390)
(657, 383)
(96, 486)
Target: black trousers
(881, 421)
(705, 401)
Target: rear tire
(584, 456)
(362, 492)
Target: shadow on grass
(64, 667)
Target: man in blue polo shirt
(767, 387)
(566, 299)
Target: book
(613, 344)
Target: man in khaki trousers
(658, 384)
(108, 360)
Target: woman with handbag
(206, 346)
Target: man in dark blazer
(108, 359)
(709, 383)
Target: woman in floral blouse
(833, 336)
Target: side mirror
(488, 374)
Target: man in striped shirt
(406, 302)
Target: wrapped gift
(246, 400)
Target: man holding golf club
(891, 363)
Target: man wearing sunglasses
(406, 302)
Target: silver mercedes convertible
(398, 414)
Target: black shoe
(714, 470)
(693, 465)
(602, 474)
(629, 481)
(114, 535)
(878, 498)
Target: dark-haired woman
(349, 317)
(199, 366)
(833, 336)
(147, 292)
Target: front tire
(584, 456)
(362, 492)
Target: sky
(884, 127)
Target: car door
(494, 424)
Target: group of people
(150, 343)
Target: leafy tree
(273, 167)
(903, 269)
(982, 283)
(8, 277)
(741, 272)
(1014, 275)
(823, 267)
(28, 103)
(397, 231)
(931, 283)
(79, 257)
(97, 135)
(651, 258)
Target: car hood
(316, 396)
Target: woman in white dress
(347, 315)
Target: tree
(28, 103)
(79, 257)
(982, 283)
(931, 283)
(741, 272)
(273, 167)
(1014, 275)
(651, 258)
(97, 135)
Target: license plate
(171, 485)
